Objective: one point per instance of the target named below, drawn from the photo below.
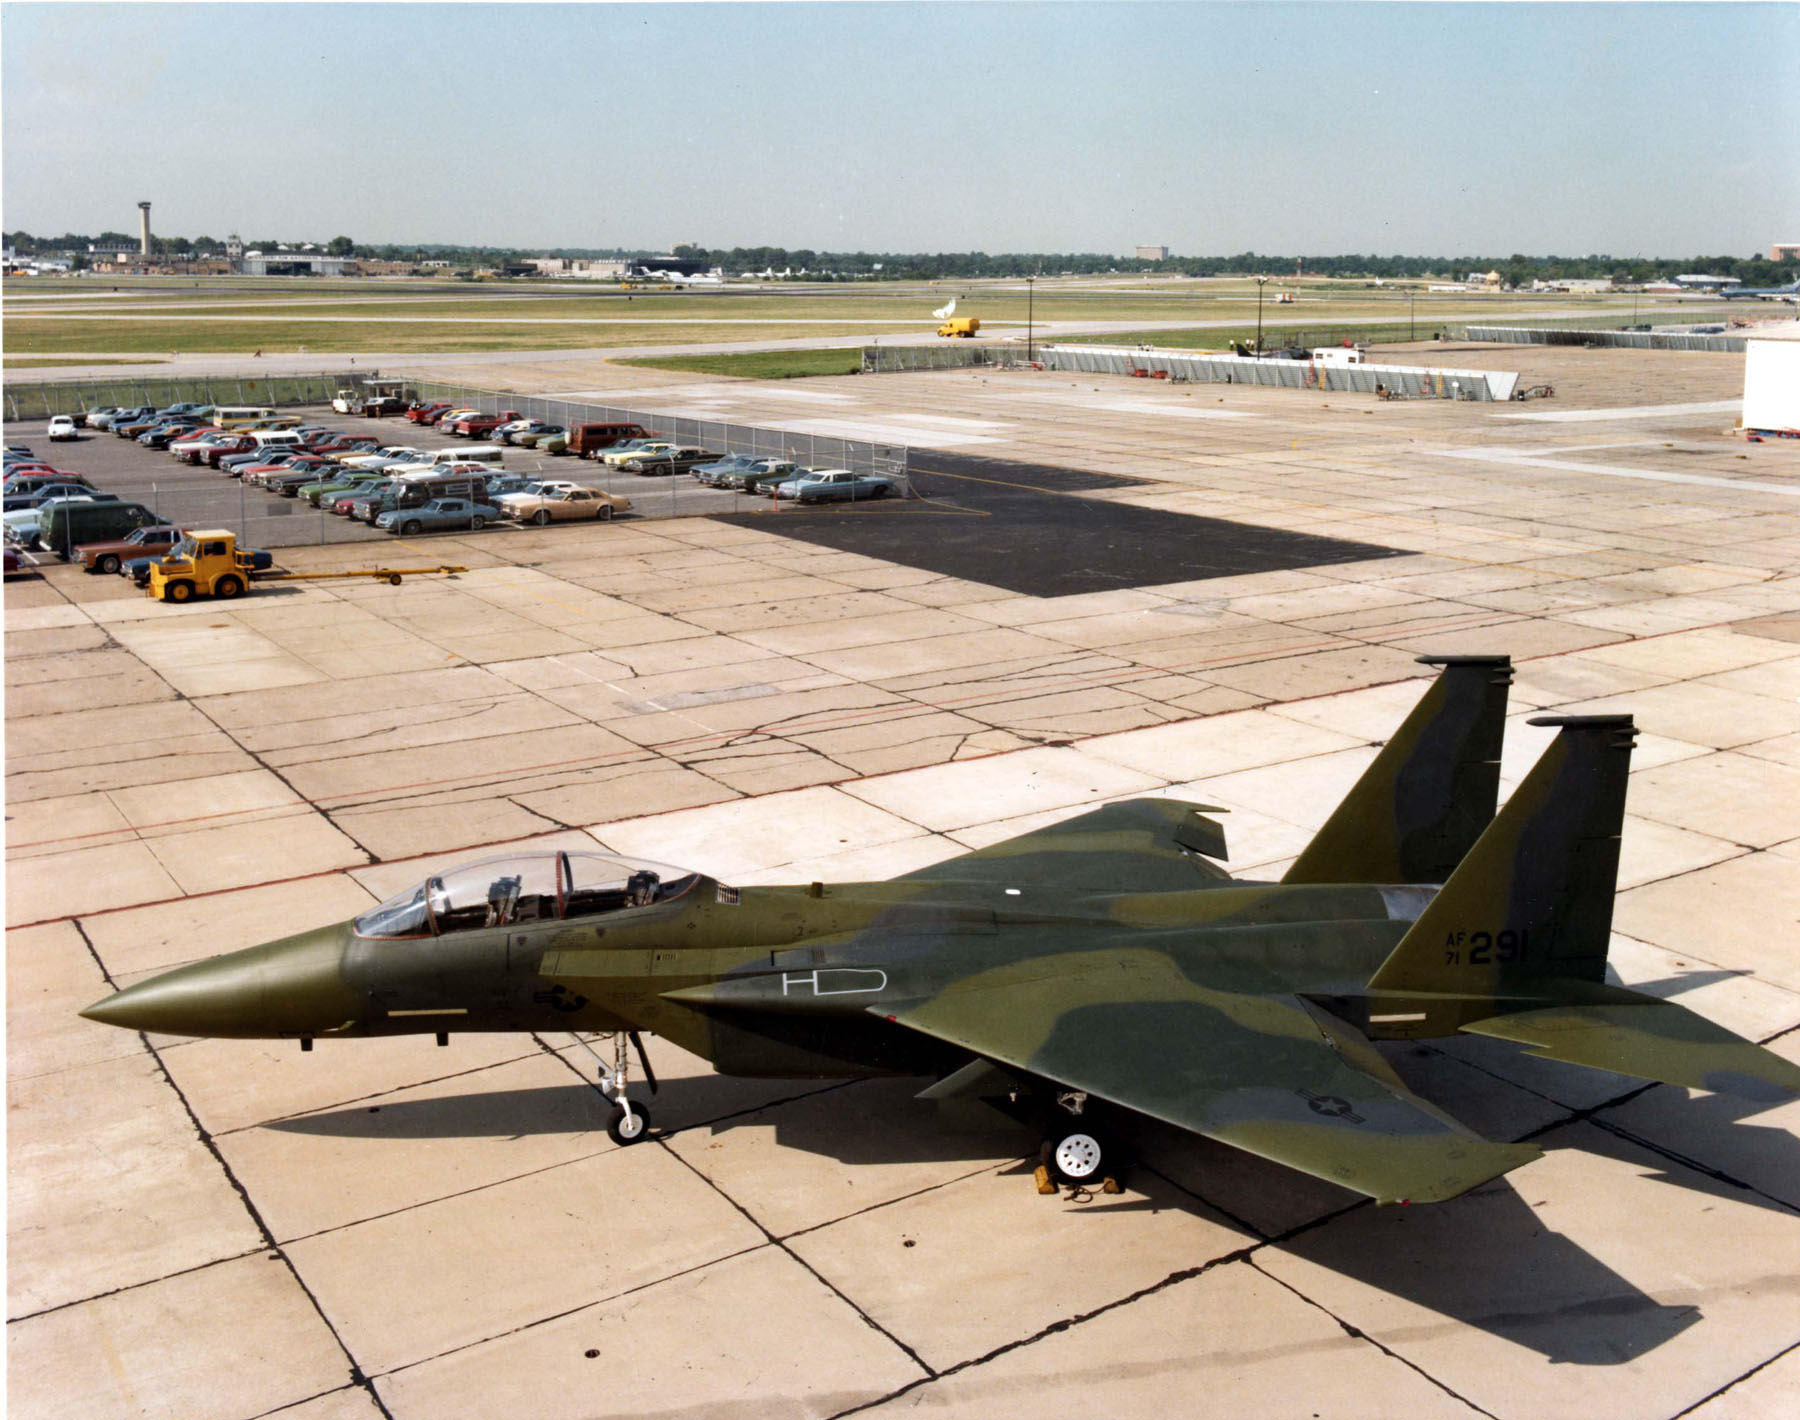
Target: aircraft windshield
(528, 888)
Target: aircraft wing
(1273, 1075)
(1137, 845)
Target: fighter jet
(1103, 968)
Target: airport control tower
(144, 229)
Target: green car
(533, 438)
(557, 443)
(317, 493)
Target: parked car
(439, 515)
(100, 412)
(259, 461)
(43, 493)
(347, 445)
(663, 462)
(328, 486)
(289, 481)
(634, 448)
(109, 555)
(15, 562)
(565, 505)
(162, 435)
(555, 443)
(533, 488)
(24, 526)
(124, 414)
(62, 428)
(20, 484)
(193, 446)
(388, 456)
(832, 485)
(589, 440)
(427, 411)
(760, 480)
(714, 474)
(477, 426)
(67, 523)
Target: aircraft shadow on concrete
(1485, 1260)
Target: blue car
(439, 515)
(833, 485)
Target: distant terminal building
(580, 268)
(1151, 253)
(1574, 286)
(291, 263)
(1785, 251)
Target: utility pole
(1412, 294)
(1030, 310)
(1261, 282)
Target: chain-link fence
(1399, 381)
(887, 462)
(40, 401)
(1614, 339)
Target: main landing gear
(629, 1122)
(1075, 1152)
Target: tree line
(1517, 269)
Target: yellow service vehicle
(206, 563)
(964, 326)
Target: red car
(429, 412)
(346, 444)
(475, 425)
(242, 444)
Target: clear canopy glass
(522, 889)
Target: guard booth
(1772, 385)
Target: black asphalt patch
(1025, 528)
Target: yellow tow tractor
(960, 327)
(209, 563)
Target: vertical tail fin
(1533, 900)
(1419, 808)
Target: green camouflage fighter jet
(1074, 976)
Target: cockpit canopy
(525, 888)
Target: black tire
(228, 587)
(605, 513)
(393, 579)
(477, 523)
(109, 563)
(411, 529)
(640, 1125)
(1076, 1154)
(180, 591)
(541, 517)
(881, 491)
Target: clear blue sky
(1660, 130)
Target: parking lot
(193, 497)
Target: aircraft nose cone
(193, 1000)
(285, 988)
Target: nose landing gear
(629, 1123)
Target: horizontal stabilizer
(1654, 1040)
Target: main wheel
(541, 517)
(477, 523)
(180, 591)
(605, 513)
(412, 528)
(109, 563)
(1074, 1155)
(228, 586)
(625, 1128)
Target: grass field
(762, 364)
(38, 362)
(145, 316)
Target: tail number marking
(1487, 948)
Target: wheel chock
(1045, 1184)
(1111, 1185)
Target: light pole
(1412, 294)
(1261, 282)
(1030, 306)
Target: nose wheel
(630, 1122)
